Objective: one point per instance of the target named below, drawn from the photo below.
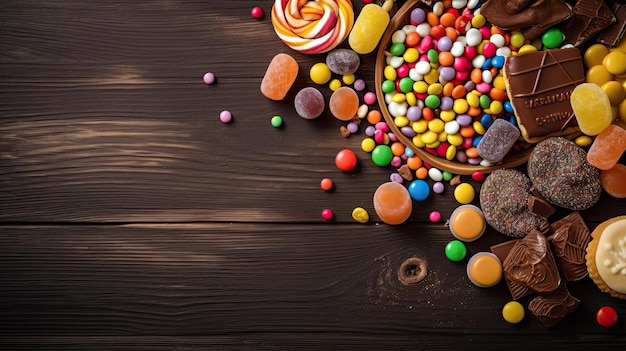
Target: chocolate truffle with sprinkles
(559, 171)
(504, 198)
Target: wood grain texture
(132, 218)
(261, 282)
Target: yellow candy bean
(447, 115)
(399, 98)
(498, 82)
(390, 73)
(435, 89)
(472, 99)
(348, 78)
(417, 141)
(615, 62)
(526, 49)
(420, 126)
(455, 139)
(411, 99)
(583, 141)
(460, 106)
(360, 215)
(598, 75)
(436, 125)
(368, 144)
(517, 39)
(334, 84)
(411, 55)
(442, 137)
(429, 137)
(479, 128)
(537, 43)
(595, 54)
(496, 107)
(621, 111)
(478, 21)
(433, 145)
(451, 152)
(615, 91)
(401, 121)
(420, 87)
(432, 77)
(320, 73)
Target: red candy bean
(462, 24)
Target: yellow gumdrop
(592, 108)
(598, 75)
(615, 91)
(583, 141)
(360, 215)
(595, 54)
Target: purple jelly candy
(309, 103)
(497, 141)
(343, 61)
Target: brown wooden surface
(132, 218)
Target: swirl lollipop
(312, 27)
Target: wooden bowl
(401, 18)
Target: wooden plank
(263, 285)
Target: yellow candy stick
(368, 28)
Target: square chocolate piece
(539, 86)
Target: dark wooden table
(132, 218)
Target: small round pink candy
(208, 78)
(226, 116)
(478, 176)
(369, 98)
(257, 12)
(434, 216)
(327, 214)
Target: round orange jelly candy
(392, 203)
(467, 223)
(344, 103)
(484, 269)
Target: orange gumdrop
(614, 181)
(279, 77)
(607, 148)
(344, 103)
(392, 203)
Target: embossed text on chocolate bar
(539, 87)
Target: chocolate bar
(589, 17)
(539, 86)
(613, 34)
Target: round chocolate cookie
(504, 198)
(559, 171)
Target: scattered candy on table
(467, 223)
(464, 193)
(326, 184)
(276, 121)
(455, 250)
(360, 215)
(434, 216)
(280, 75)
(606, 316)
(257, 12)
(343, 61)
(309, 103)
(320, 73)
(226, 116)
(327, 214)
(484, 269)
(346, 160)
(513, 312)
(208, 78)
(419, 190)
(344, 103)
(392, 203)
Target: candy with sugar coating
(279, 77)
(592, 108)
(608, 147)
(368, 29)
(497, 141)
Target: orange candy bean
(474, 111)
(428, 114)
(446, 58)
(476, 75)
(452, 33)
(448, 88)
(414, 162)
(497, 94)
(421, 173)
(374, 116)
(437, 32)
(397, 149)
(472, 152)
(447, 19)
(458, 92)
(432, 19)
(467, 131)
(412, 39)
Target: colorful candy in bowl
(440, 87)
